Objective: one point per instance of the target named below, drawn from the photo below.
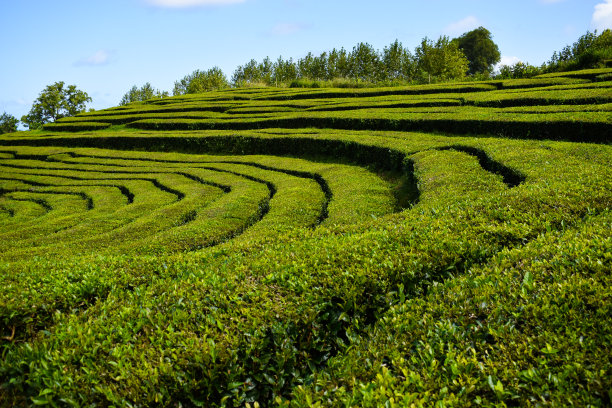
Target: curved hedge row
(76, 126)
(447, 270)
(576, 131)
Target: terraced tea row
(310, 267)
(142, 205)
(560, 108)
(162, 203)
(184, 205)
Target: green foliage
(365, 63)
(518, 70)
(76, 126)
(8, 123)
(569, 108)
(397, 62)
(466, 342)
(480, 50)
(440, 61)
(142, 94)
(589, 51)
(473, 53)
(263, 261)
(55, 102)
(200, 82)
(363, 66)
(254, 73)
(284, 71)
(338, 64)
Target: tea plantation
(439, 245)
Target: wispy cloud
(288, 28)
(461, 26)
(101, 57)
(176, 4)
(551, 1)
(602, 17)
(508, 60)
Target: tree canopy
(480, 50)
(201, 81)
(54, 102)
(397, 62)
(143, 93)
(8, 123)
(590, 51)
(442, 60)
(437, 61)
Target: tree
(54, 102)
(209, 80)
(306, 66)
(518, 70)
(341, 63)
(332, 67)
(523, 70)
(480, 50)
(442, 60)
(397, 62)
(8, 123)
(284, 71)
(200, 82)
(142, 94)
(365, 63)
(248, 73)
(266, 67)
(589, 51)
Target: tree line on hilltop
(473, 55)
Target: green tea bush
(77, 126)
(305, 247)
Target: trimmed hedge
(76, 126)
(489, 288)
(596, 132)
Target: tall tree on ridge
(54, 102)
(480, 50)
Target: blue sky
(106, 46)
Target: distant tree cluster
(201, 81)
(143, 93)
(519, 70)
(591, 50)
(432, 61)
(474, 53)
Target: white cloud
(602, 17)
(462, 26)
(101, 57)
(288, 28)
(508, 60)
(191, 3)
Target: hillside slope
(300, 247)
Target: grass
(314, 266)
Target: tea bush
(313, 247)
